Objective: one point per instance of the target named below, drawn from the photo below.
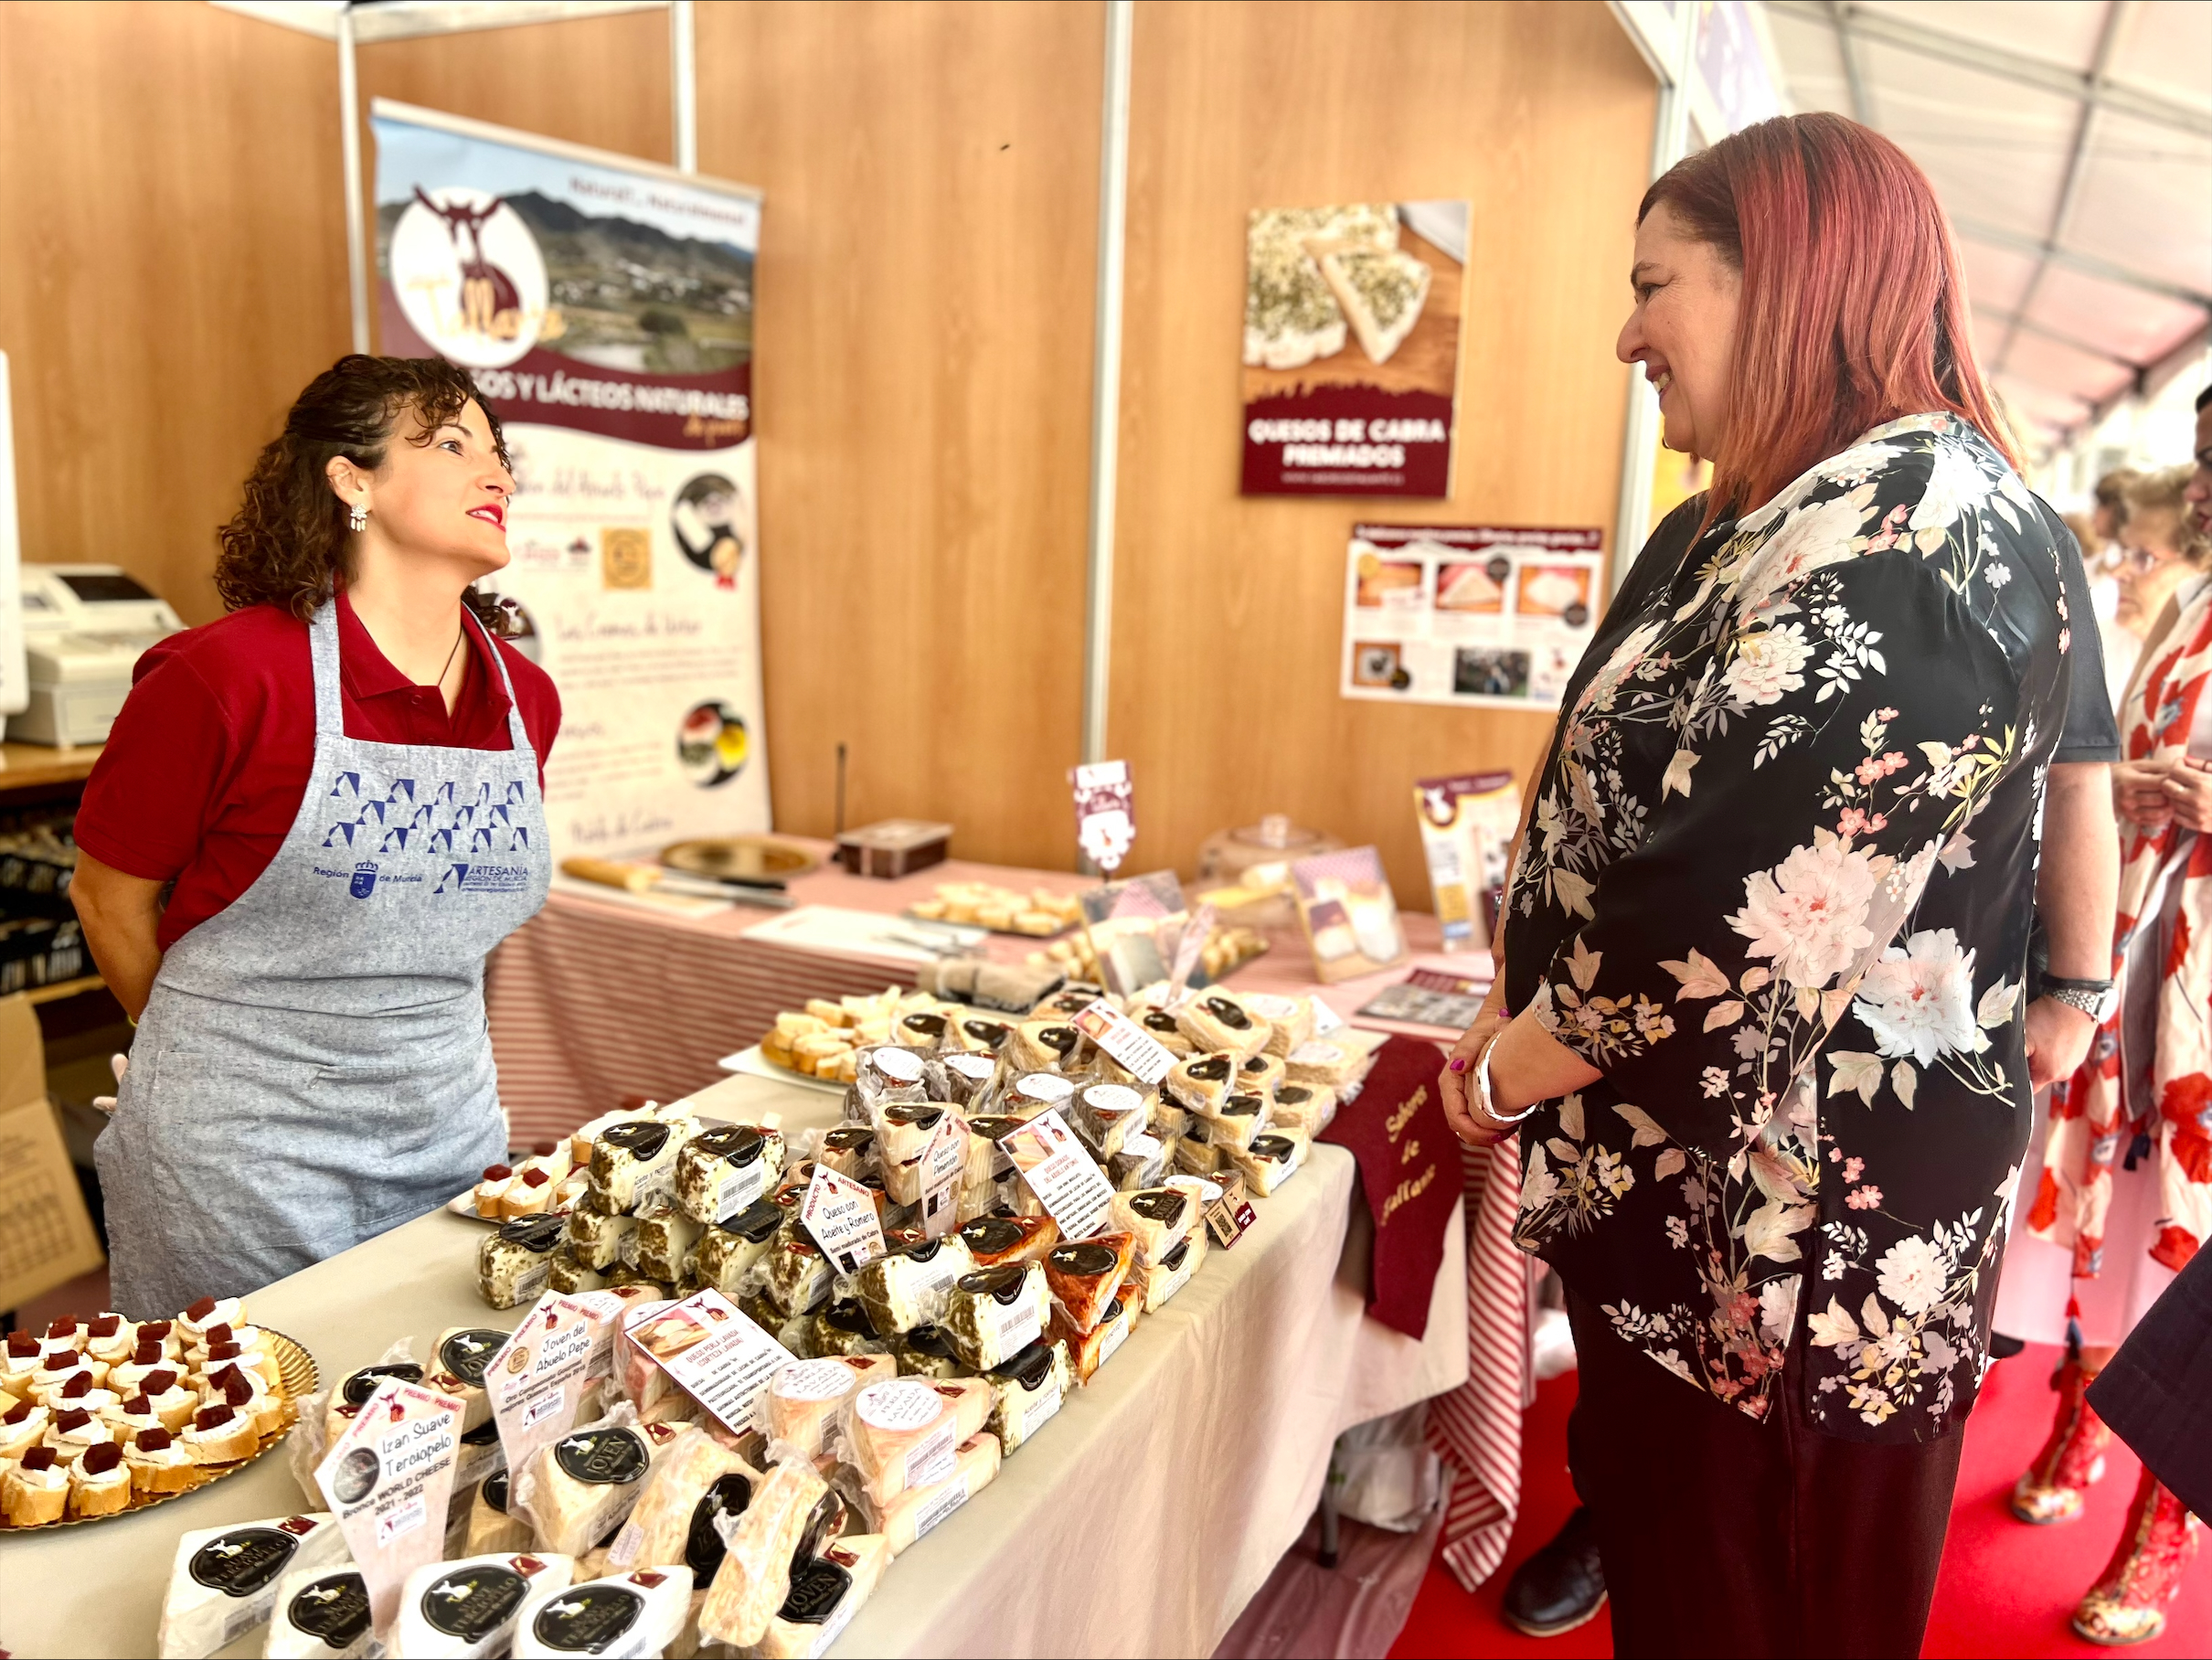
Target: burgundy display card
(1409, 1168)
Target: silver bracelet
(1482, 1089)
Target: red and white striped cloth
(1476, 1428)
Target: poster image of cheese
(1498, 614)
(1351, 348)
(1348, 912)
(605, 307)
(1555, 590)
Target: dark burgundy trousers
(1722, 1537)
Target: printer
(83, 628)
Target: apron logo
(484, 879)
(364, 879)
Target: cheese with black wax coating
(994, 1312)
(223, 1580)
(824, 1595)
(724, 1170)
(467, 1609)
(320, 1613)
(616, 1617)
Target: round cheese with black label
(640, 1137)
(332, 1607)
(588, 1619)
(1228, 1013)
(494, 1490)
(466, 1354)
(737, 1145)
(704, 1547)
(603, 1457)
(816, 1589)
(473, 1601)
(243, 1560)
(1211, 1068)
(1082, 1257)
(359, 1386)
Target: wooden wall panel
(923, 387)
(591, 80)
(174, 270)
(1228, 614)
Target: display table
(1139, 1523)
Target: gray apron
(313, 1065)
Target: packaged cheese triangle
(1082, 1276)
(321, 1612)
(899, 1434)
(913, 1513)
(659, 1528)
(755, 1576)
(223, 1580)
(464, 1610)
(577, 1490)
(640, 1612)
(825, 1593)
(803, 1398)
(493, 1527)
(1159, 1218)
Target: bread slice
(1381, 293)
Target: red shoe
(2072, 1459)
(2127, 1605)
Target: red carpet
(2006, 1590)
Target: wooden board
(925, 303)
(1426, 360)
(37, 766)
(1228, 611)
(175, 272)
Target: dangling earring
(357, 517)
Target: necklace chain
(459, 636)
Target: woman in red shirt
(340, 784)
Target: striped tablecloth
(593, 1000)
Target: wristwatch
(2095, 998)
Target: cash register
(83, 628)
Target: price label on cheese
(841, 1215)
(717, 1355)
(538, 1380)
(1326, 1019)
(389, 1480)
(1137, 1050)
(944, 1168)
(1074, 1191)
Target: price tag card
(537, 1380)
(717, 1355)
(389, 1479)
(1137, 1050)
(1228, 1217)
(841, 1215)
(944, 1170)
(1074, 1191)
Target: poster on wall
(1352, 347)
(605, 308)
(1483, 614)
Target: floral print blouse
(1777, 888)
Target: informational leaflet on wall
(605, 308)
(1352, 347)
(1467, 821)
(1484, 614)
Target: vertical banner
(1352, 347)
(605, 308)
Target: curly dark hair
(288, 545)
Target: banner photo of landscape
(1468, 613)
(605, 308)
(1352, 347)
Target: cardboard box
(46, 1233)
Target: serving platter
(296, 1371)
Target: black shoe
(2002, 1347)
(1561, 1587)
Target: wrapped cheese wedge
(725, 1253)
(1032, 1092)
(1025, 1394)
(796, 1275)
(576, 1490)
(1166, 1031)
(849, 1150)
(1143, 1161)
(754, 1579)
(1088, 1351)
(1201, 1082)
(1043, 1045)
(597, 1237)
(1290, 1019)
(905, 1288)
(571, 1278)
(967, 1076)
(461, 1354)
(825, 1593)
(994, 1312)
(926, 1352)
(803, 1398)
(843, 1327)
(636, 1161)
(722, 1172)
(1321, 1061)
(914, 1512)
(1195, 1153)
(639, 1613)
(514, 1264)
(581, 1139)
(904, 1131)
(1260, 1075)
(996, 1241)
(1215, 1022)
(467, 1609)
(667, 1242)
(1168, 1119)
(1303, 1107)
(718, 1508)
(794, 1332)
(1237, 1120)
(223, 1580)
(1082, 1276)
(320, 1612)
(901, 1434)
(1165, 1278)
(1159, 1218)
(1268, 1160)
(923, 1031)
(1104, 1115)
(659, 1529)
(493, 1527)
(986, 1035)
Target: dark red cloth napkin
(1409, 1169)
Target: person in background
(1762, 1011)
(2122, 1198)
(2151, 563)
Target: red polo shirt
(204, 771)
